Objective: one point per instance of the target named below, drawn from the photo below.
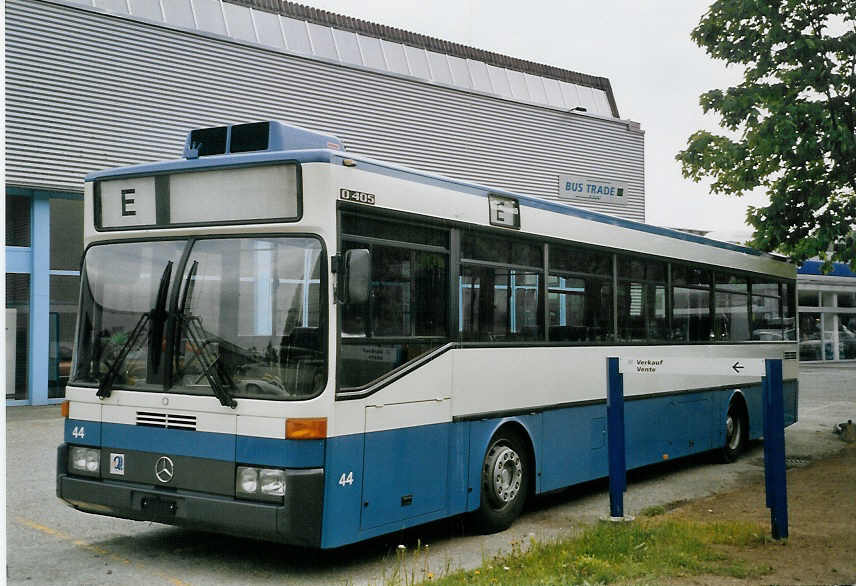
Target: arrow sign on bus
(752, 367)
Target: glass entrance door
(830, 333)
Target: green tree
(792, 121)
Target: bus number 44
(78, 432)
(346, 479)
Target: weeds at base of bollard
(624, 519)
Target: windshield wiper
(212, 366)
(157, 315)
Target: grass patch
(654, 511)
(611, 552)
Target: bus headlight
(85, 460)
(248, 480)
(260, 482)
(272, 482)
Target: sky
(643, 46)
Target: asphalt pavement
(50, 543)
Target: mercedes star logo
(164, 469)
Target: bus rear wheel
(736, 432)
(504, 482)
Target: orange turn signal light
(64, 409)
(306, 428)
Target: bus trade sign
(574, 187)
(753, 367)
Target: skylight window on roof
(296, 35)
(571, 94)
(478, 73)
(418, 61)
(243, 23)
(460, 72)
(112, 5)
(587, 99)
(395, 59)
(322, 41)
(179, 13)
(267, 27)
(554, 93)
(601, 102)
(439, 67)
(518, 84)
(149, 9)
(240, 22)
(536, 88)
(499, 81)
(349, 50)
(209, 16)
(372, 53)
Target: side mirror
(358, 275)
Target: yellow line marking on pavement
(95, 549)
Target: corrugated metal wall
(87, 91)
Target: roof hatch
(255, 137)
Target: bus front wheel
(504, 482)
(736, 432)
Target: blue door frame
(35, 261)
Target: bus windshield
(243, 320)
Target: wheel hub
(733, 431)
(505, 473)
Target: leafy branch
(791, 121)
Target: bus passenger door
(406, 460)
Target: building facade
(827, 312)
(93, 84)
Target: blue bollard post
(774, 448)
(615, 438)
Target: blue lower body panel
(382, 482)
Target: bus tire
(504, 482)
(736, 432)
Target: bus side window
(732, 307)
(500, 303)
(641, 299)
(692, 320)
(406, 313)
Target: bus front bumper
(297, 521)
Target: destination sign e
(127, 202)
(504, 211)
(197, 198)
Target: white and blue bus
(283, 340)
